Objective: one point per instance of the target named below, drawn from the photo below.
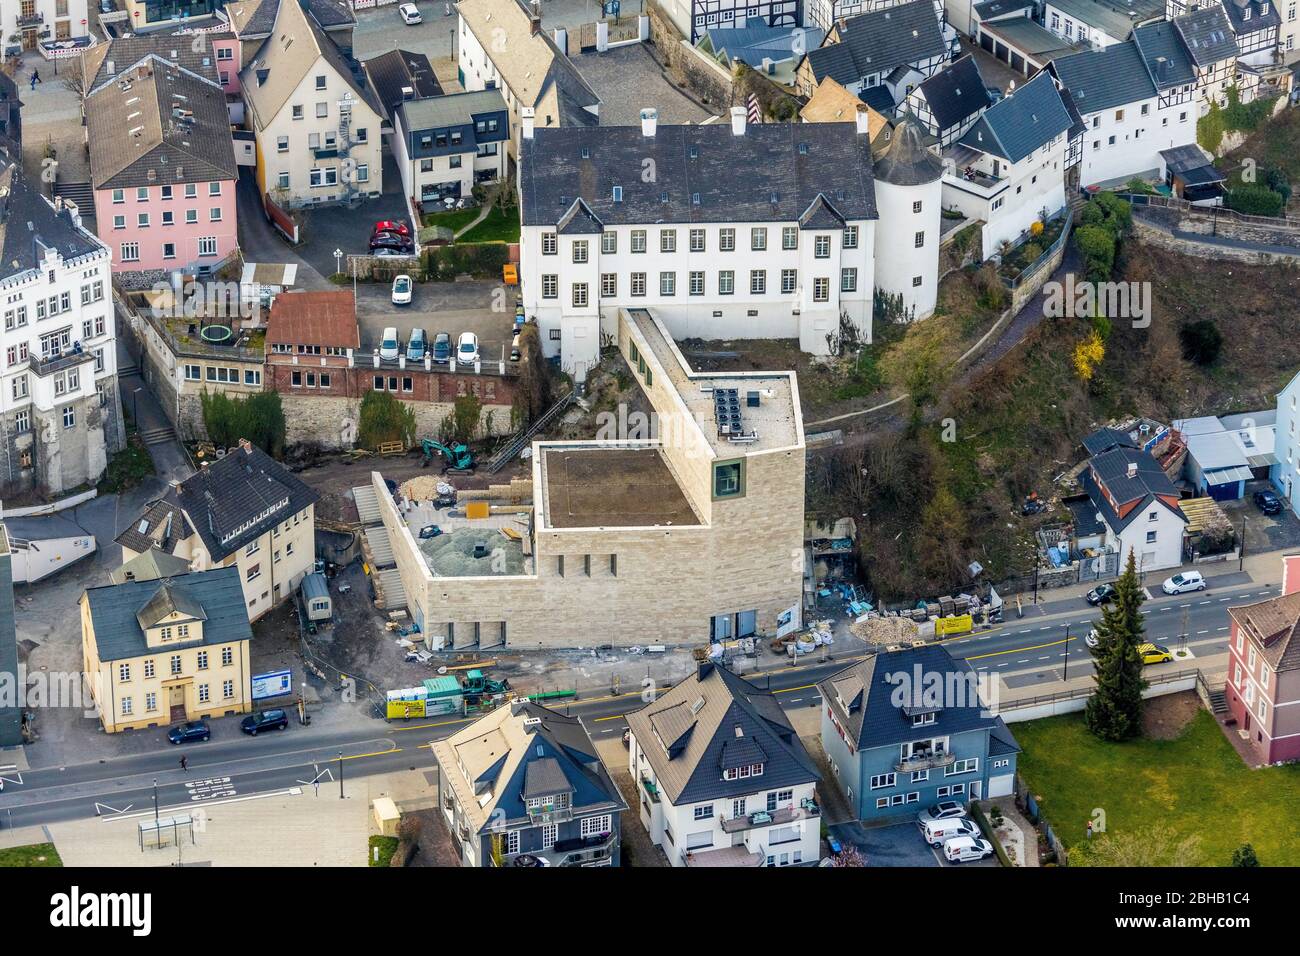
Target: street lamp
(338, 260)
(1066, 676)
(135, 417)
(155, 799)
(1241, 545)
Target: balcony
(786, 815)
(30, 20)
(925, 760)
(726, 856)
(49, 364)
(551, 813)
(650, 787)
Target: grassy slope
(1196, 784)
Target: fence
(1212, 212)
(1073, 700)
(1030, 270)
(1026, 800)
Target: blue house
(906, 729)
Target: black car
(391, 242)
(1268, 502)
(1102, 594)
(189, 732)
(264, 720)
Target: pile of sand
(423, 487)
(885, 630)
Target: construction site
(620, 542)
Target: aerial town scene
(367, 499)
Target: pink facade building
(162, 162)
(1263, 692)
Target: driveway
(260, 242)
(896, 844)
(326, 228)
(1263, 532)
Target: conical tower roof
(906, 161)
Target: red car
(391, 225)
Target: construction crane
(458, 457)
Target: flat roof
(774, 421)
(452, 553)
(615, 486)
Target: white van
(936, 832)
(963, 848)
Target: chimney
(245, 444)
(1132, 469)
(649, 121)
(737, 121)
(706, 668)
(518, 706)
(527, 116)
(535, 18)
(863, 117)
(1290, 573)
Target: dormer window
(740, 773)
(921, 720)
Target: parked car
(941, 811)
(442, 347)
(390, 346)
(514, 348)
(410, 15)
(392, 241)
(467, 348)
(1092, 640)
(402, 291)
(416, 346)
(392, 252)
(936, 832)
(964, 848)
(1184, 582)
(1154, 653)
(189, 732)
(264, 720)
(1268, 502)
(395, 226)
(1101, 594)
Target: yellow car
(1154, 653)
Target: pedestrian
(33, 79)
(36, 75)
(1089, 829)
(185, 765)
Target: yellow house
(167, 650)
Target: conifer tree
(1114, 711)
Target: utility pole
(340, 774)
(155, 799)
(1067, 654)
(1241, 545)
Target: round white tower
(909, 191)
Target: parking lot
(1263, 532)
(897, 844)
(451, 307)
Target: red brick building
(1263, 689)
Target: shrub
(462, 423)
(1097, 246)
(1202, 341)
(1088, 355)
(481, 259)
(384, 418)
(259, 418)
(1254, 200)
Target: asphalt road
(1026, 651)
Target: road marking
(100, 808)
(287, 792)
(1203, 632)
(320, 774)
(1014, 650)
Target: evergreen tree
(1114, 711)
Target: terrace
(605, 486)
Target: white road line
(289, 792)
(1203, 632)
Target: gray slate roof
(1117, 18)
(906, 161)
(114, 610)
(1164, 54)
(762, 176)
(880, 41)
(1018, 124)
(125, 52)
(137, 137)
(956, 92)
(29, 224)
(1208, 35)
(254, 18)
(162, 525)
(390, 72)
(234, 491)
(1236, 10)
(454, 109)
(1105, 79)
(713, 720)
(862, 698)
(1111, 468)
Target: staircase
(516, 444)
(127, 369)
(157, 436)
(1219, 702)
(79, 193)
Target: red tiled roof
(314, 318)
(1273, 626)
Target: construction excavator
(457, 458)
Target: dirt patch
(1165, 718)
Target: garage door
(1000, 786)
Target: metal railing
(516, 444)
(1081, 692)
(1033, 267)
(1207, 212)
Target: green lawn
(38, 854)
(499, 226)
(1194, 784)
(451, 219)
